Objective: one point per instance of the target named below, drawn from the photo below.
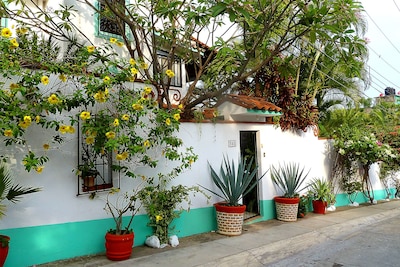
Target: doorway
(248, 149)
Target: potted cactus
(288, 178)
(233, 182)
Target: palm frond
(16, 191)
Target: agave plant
(234, 182)
(9, 190)
(288, 178)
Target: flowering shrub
(89, 84)
(358, 149)
(365, 148)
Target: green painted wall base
(41, 244)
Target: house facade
(61, 221)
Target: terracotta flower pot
(287, 208)
(4, 250)
(229, 219)
(119, 247)
(319, 206)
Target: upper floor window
(176, 68)
(107, 24)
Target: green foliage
(288, 178)
(321, 189)
(234, 182)
(164, 205)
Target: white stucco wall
(58, 203)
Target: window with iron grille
(107, 24)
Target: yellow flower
(191, 161)
(116, 122)
(89, 140)
(85, 115)
(134, 71)
(125, 117)
(120, 44)
(24, 124)
(6, 32)
(70, 129)
(44, 80)
(113, 40)
(22, 31)
(106, 80)
(144, 65)
(123, 156)
(137, 106)
(132, 61)
(14, 43)
(167, 121)
(37, 119)
(110, 135)
(170, 73)
(8, 133)
(46, 146)
(90, 48)
(39, 169)
(27, 119)
(62, 77)
(100, 96)
(146, 143)
(147, 90)
(158, 218)
(53, 99)
(180, 106)
(177, 116)
(14, 86)
(63, 129)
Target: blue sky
(383, 33)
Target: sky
(383, 35)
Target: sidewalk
(260, 244)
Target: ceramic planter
(4, 249)
(119, 247)
(287, 208)
(229, 219)
(319, 206)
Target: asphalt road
(374, 245)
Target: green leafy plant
(288, 178)
(320, 189)
(162, 206)
(304, 205)
(234, 182)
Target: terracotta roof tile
(250, 102)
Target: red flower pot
(4, 250)
(319, 206)
(287, 208)
(229, 218)
(119, 247)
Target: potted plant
(321, 192)
(288, 178)
(119, 241)
(11, 192)
(233, 185)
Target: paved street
(373, 245)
